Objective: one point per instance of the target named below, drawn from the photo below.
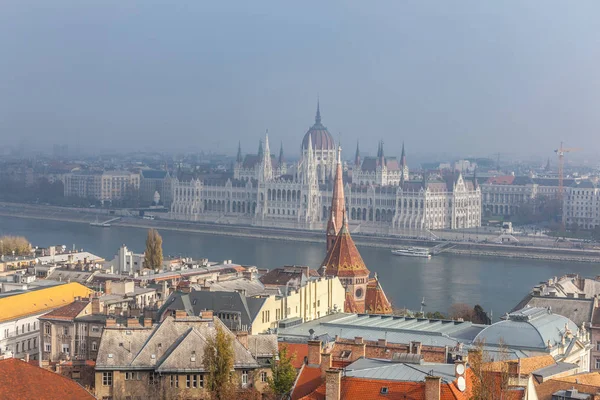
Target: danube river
(496, 283)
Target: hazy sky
(455, 77)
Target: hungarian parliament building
(380, 196)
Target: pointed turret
(403, 157)
(280, 159)
(357, 155)
(381, 155)
(267, 150)
(475, 183)
(260, 149)
(238, 159)
(266, 164)
(338, 204)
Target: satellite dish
(460, 369)
(461, 383)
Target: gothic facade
(265, 191)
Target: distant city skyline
(464, 79)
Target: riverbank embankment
(84, 216)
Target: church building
(363, 294)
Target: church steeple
(338, 204)
(357, 155)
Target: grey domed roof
(529, 328)
(319, 135)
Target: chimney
(180, 314)
(381, 342)
(110, 322)
(432, 387)
(415, 347)
(358, 349)
(514, 368)
(333, 383)
(108, 287)
(95, 306)
(206, 315)
(132, 322)
(118, 310)
(147, 322)
(325, 363)
(242, 337)
(314, 352)
(26, 357)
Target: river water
(497, 284)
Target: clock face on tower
(359, 293)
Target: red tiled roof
(23, 381)
(547, 389)
(350, 306)
(68, 312)
(343, 259)
(360, 388)
(307, 382)
(298, 350)
(376, 301)
(501, 180)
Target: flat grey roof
(369, 368)
(394, 329)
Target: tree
(435, 315)
(490, 377)
(284, 374)
(17, 244)
(480, 316)
(461, 311)
(218, 362)
(153, 257)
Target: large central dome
(319, 135)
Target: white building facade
(265, 192)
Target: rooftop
(173, 345)
(21, 380)
(531, 328)
(68, 312)
(41, 300)
(395, 329)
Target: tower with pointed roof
(344, 261)
(266, 166)
(338, 204)
(357, 156)
(403, 166)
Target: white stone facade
(581, 206)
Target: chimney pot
(325, 363)
(314, 352)
(180, 314)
